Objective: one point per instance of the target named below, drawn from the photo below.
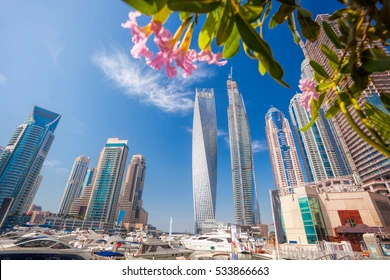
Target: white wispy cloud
(62, 170)
(51, 162)
(221, 132)
(152, 87)
(78, 122)
(189, 129)
(259, 146)
(55, 52)
(3, 79)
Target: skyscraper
(319, 154)
(372, 167)
(89, 178)
(22, 160)
(131, 197)
(1, 150)
(204, 157)
(34, 190)
(284, 158)
(245, 196)
(74, 184)
(103, 202)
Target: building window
(351, 222)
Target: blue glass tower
(22, 160)
(107, 185)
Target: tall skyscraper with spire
(22, 160)
(74, 184)
(131, 197)
(105, 193)
(284, 158)
(245, 194)
(204, 157)
(367, 164)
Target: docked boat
(158, 250)
(41, 249)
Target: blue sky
(72, 57)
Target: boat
(41, 249)
(158, 250)
(108, 255)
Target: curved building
(204, 157)
(22, 160)
(284, 158)
(74, 185)
(245, 196)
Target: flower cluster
(308, 93)
(170, 48)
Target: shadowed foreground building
(21, 163)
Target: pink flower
(140, 37)
(308, 93)
(165, 56)
(211, 58)
(184, 60)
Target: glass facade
(23, 157)
(245, 195)
(204, 157)
(313, 220)
(106, 189)
(321, 158)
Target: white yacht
(159, 250)
(216, 241)
(41, 249)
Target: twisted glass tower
(22, 160)
(245, 196)
(204, 157)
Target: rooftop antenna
(231, 73)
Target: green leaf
(310, 29)
(269, 7)
(335, 108)
(262, 69)
(251, 13)
(332, 35)
(375, 60)
(292, 28)
(208, 30)
(162, 15)
(282, 14)
(324, 86)
(257, 2)
(385, 98)
(194, 6)
(338, 14)
(315, 108)
(251, 38)
(184, 15)
(318, 68)
(147, 7)
(249, 52)
(379, 119)
(330, 54)
(317, 77)
(232, 44)
(226, 25)
(360, 77)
